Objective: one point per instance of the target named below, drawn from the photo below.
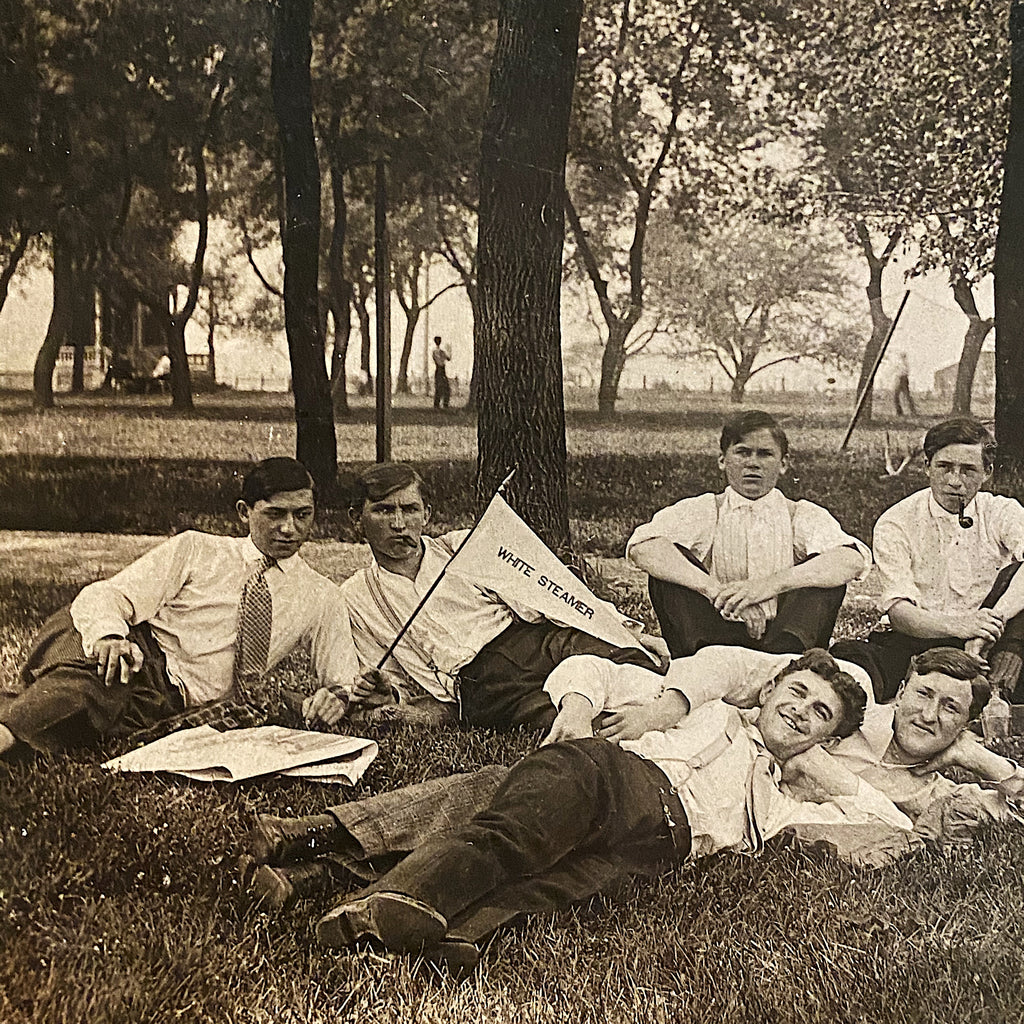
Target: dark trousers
(442, 389)
(65, 704)
(886, 654)
(570, 819)
(689, 621)
(503, 685)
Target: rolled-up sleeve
(895, 561)
(689, 523)
(816, 530)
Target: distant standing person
(901, 395)
(442, 387)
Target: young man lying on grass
(182, 635)
(581, 813)
(898, 750)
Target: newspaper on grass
(208, 755)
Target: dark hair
(437, 338)
(951, 661)
(850, 693)
(960, 430)
(383, 479)
(272, 476)
(737, 427)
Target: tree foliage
(751, 295)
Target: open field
(118, 901)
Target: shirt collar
(767, 502)
(252, 554)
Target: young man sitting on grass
(948, 556)
(748, 566)
(183, 634)
(468, 654)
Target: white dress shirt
(188, 589)
(449, 631)
(737, 539)
(926, 557)
(715, 758)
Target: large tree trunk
(59, 328)
(521, 422)
(293, 106)
(977, 331)
(1009, 273)
(880, 320)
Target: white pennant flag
(504, 555)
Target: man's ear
(427, 509)
(784, 465)
(766, 689)
(243, 511)
(354, 516)
(721, 461)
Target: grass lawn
(118, 901)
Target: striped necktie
(255, 616)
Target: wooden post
(382, 303)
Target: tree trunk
(1009, 273)
(11, 267)
(211, 330)
(339, 289)
(181, 373)
(880, 321)
(613, 361)
(517, 336)
(83, 321)
(365, 341)
(58, 329)
(742, 377)
(412, 316)
(291, 90)
(977, 331)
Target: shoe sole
(402, 924)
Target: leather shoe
(284, 840)
(277, 888)
(401, 923)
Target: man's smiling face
(930, 711)
(798, 711)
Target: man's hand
(657, 646)
(117, 659)
(1005, 669)
(982, 624)
(327, 706)
(966, 751)
(574, 721)
(370, 684)
(735, 598)
(755, 620)
(630, 724)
